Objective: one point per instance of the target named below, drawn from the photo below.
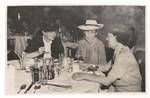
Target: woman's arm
(34, 54)
(93, 78)
(31, 55)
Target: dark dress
(37, 42)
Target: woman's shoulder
(82, 42)
(124, 50)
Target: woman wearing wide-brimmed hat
(90, 48)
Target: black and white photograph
(75, 49)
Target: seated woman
(124, 73)
(46, 42)
(90, 48)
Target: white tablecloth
(22, 77)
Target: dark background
(129, 21)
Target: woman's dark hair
(46, 27)
(123, 38)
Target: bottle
(35, 71)
(44, 72)
(51, 69)
(40, 64)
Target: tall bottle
(51, 69)
(44, 72)
(35, 71)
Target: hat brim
(91, 27)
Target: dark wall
(129, 21)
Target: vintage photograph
(75, 49)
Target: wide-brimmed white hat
(91, 25)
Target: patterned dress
(93, 53)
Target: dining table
(62, 83)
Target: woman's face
(90, 33)
(111, 41)
(50, 35)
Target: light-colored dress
(126, 70)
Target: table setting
(52, 76)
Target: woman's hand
(41, 50)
